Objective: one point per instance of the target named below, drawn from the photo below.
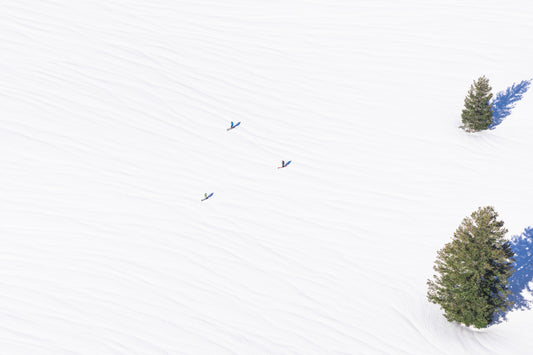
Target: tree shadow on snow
(505, 100)
(522, 246)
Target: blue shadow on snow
(522, 246)
(505, 100)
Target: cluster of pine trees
(471, 284)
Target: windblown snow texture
(112, 130)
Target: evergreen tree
(473, 271)
(477, 114)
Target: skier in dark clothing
(283, 163)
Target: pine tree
(473, 271)
(477, 114)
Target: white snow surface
(113, 126)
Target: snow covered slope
(113, 126)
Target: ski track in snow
(114, 126)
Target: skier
(206, 196)
(233, 125)
(284, 164)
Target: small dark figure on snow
(283, 163)
(233, 126)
